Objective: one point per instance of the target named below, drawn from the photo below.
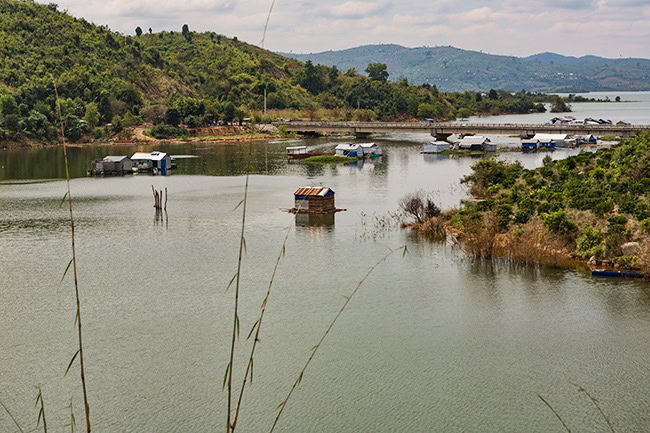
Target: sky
(609, 28)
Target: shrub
(504, 215)
(588, 241)
(162, 132)
(645, 225)
(431, 209)
(558, 222)
(628, 262)
(413, 206)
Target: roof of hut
(311, 191)
(474, 139)
(115, 158)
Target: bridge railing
(458, 125)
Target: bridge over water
(445, 129)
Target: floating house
(148, 161)
(436, 147)
(113, 165)
(370, 150)
(551, 140)
(477, 143)
(586, 139)
(353, 150)
(314, 200)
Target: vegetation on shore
(594, 207)
(109, 82)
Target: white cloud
(512, 27)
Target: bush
(413, 206)
(431, 209)
(590, 239)
(628, 262)
(162, 132)
(645, 225)
(559, 222)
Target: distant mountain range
(453, 69)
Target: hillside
(453, 69)
(109, 83)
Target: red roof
(309, 191)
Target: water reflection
(315, 220)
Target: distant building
(314, 200)
(349, 150)
(148, 161)
(476, 143)
(114, 164)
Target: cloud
(511, 27)
(355, 9)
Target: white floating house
(550, 139)
(353, 150)
(436, 147)
(370, 149)
(477, 142)
(148, 161)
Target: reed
(257, 326)
(235, 325)
(557, 415)
(283, 405)
(41, 412)
(595, 403)
(68, 194)
(20, 429)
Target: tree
(92, 115)
(463, 113)
(559, 106)
(138, 31)
(8, 105)
(618, 99)
(186, 33)
(229, 112)
(311, 78)
(241, 114)
(426, 111)
(172, 117)
(377, 72)
(493, 94)
(150, 31)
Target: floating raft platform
(619, 274)
(294, 210)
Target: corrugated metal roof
(153, 156)
(347, 147)
(474, 139)
(114, 158)
(550, 137)
(311, 191)
(367, 145)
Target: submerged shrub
(431, 209)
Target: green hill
(109, 82)
(453, 69)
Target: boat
(619, 274)
(436, 147)
(300, 152)
(349, 150)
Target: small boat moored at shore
(619, 274)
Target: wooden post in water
(158, 198)
(165, 198)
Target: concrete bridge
(444, 129)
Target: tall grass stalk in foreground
(235, 324)
(20, 429)
(41, 412)
(80, 351)
(595, 402)
(557, 415)
(283, 405)
(256, 328)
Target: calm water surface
(432, 342)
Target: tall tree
(377, 72)
(138, 31)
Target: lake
(432, 341)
